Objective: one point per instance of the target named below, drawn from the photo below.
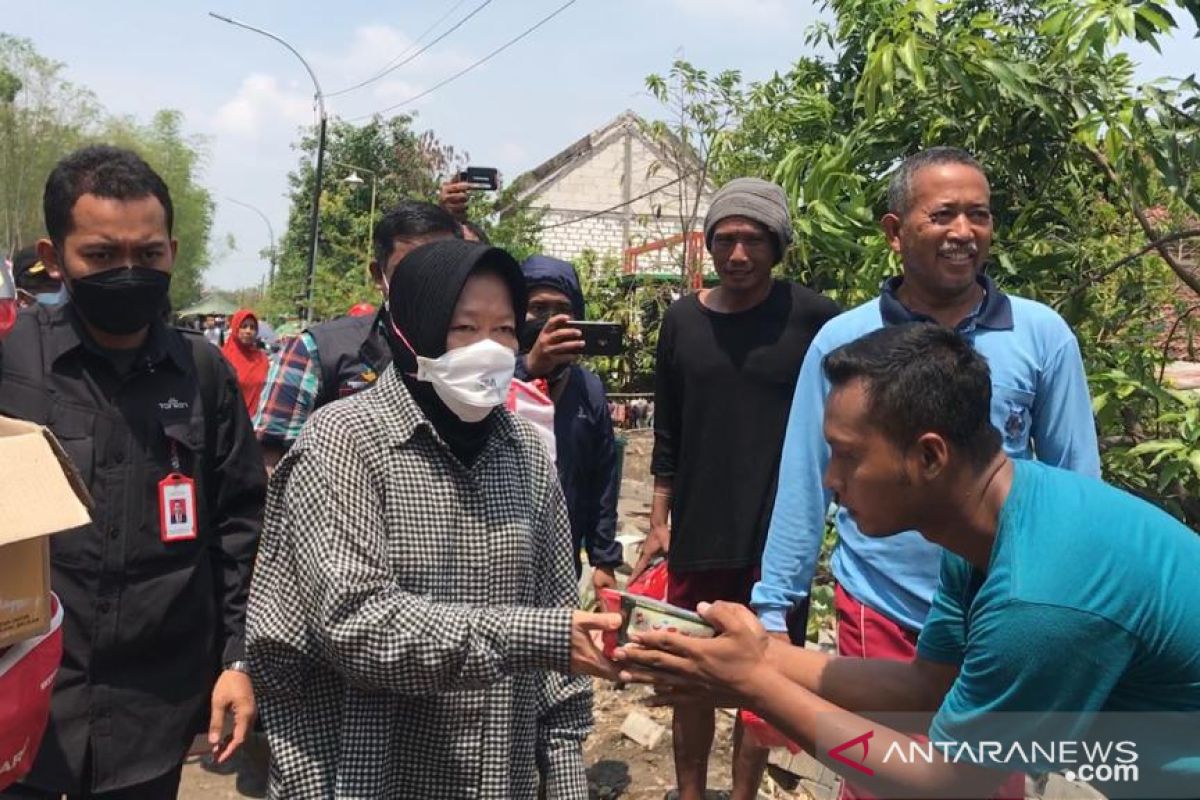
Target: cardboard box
(40, 494)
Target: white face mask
(470, 380)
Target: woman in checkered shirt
(412, 630)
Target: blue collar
(994, 313)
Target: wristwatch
(239, 666)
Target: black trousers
(164, 787)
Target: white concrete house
(617, 189)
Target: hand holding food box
(643, 615)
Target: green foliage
(638, 305)
(406, 164)
(1074, 151)
(44, 117)
(516, 230)
(1161, 461)
(701, 109)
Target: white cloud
(260, 103)
(736, 11)
(252, 129)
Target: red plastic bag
(763, 732)
(27, 671)
(652, 583)
(8, 298)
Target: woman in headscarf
(248, 360)
(412, 630)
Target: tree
(179, 160)
(636, 303)
(509, 224)
(1076, 155)
(702, 107)
(44, 118)
(406, 165)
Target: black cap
(28, 267)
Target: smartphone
(482, 179)
(601, 338)
(643, 615)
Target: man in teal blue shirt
(1067, 612)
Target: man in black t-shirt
(728, 359)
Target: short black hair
(105, 171)
(922, 378)
(477, 229)
(410, 219)
(899, 191)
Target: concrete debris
(643, 730)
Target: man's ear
(933, 453)
(47, 253)
(377, 276)
(891, 224)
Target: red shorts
(865, 633)
(689, 589)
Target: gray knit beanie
(756, 199)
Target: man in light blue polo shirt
(940, 223)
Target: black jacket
(348, 349)
(583, 434)
(147, 624)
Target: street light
(316, 200)
(270, 233)
(354, 180)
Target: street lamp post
(354, 180)
(316, 199)
(270, 233)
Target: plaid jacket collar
(401, 417)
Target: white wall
(596, 185)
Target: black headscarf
(423, 292)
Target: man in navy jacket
(583, 431)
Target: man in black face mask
(585, 447)
(154, 589)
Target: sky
(249, 98)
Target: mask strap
(387, 307)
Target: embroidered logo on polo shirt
(1014, 424)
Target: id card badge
(177, 508)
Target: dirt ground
(617, 766)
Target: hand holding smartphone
(480, 179)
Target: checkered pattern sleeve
(379, 637)
(289, 394)
(565, 701)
